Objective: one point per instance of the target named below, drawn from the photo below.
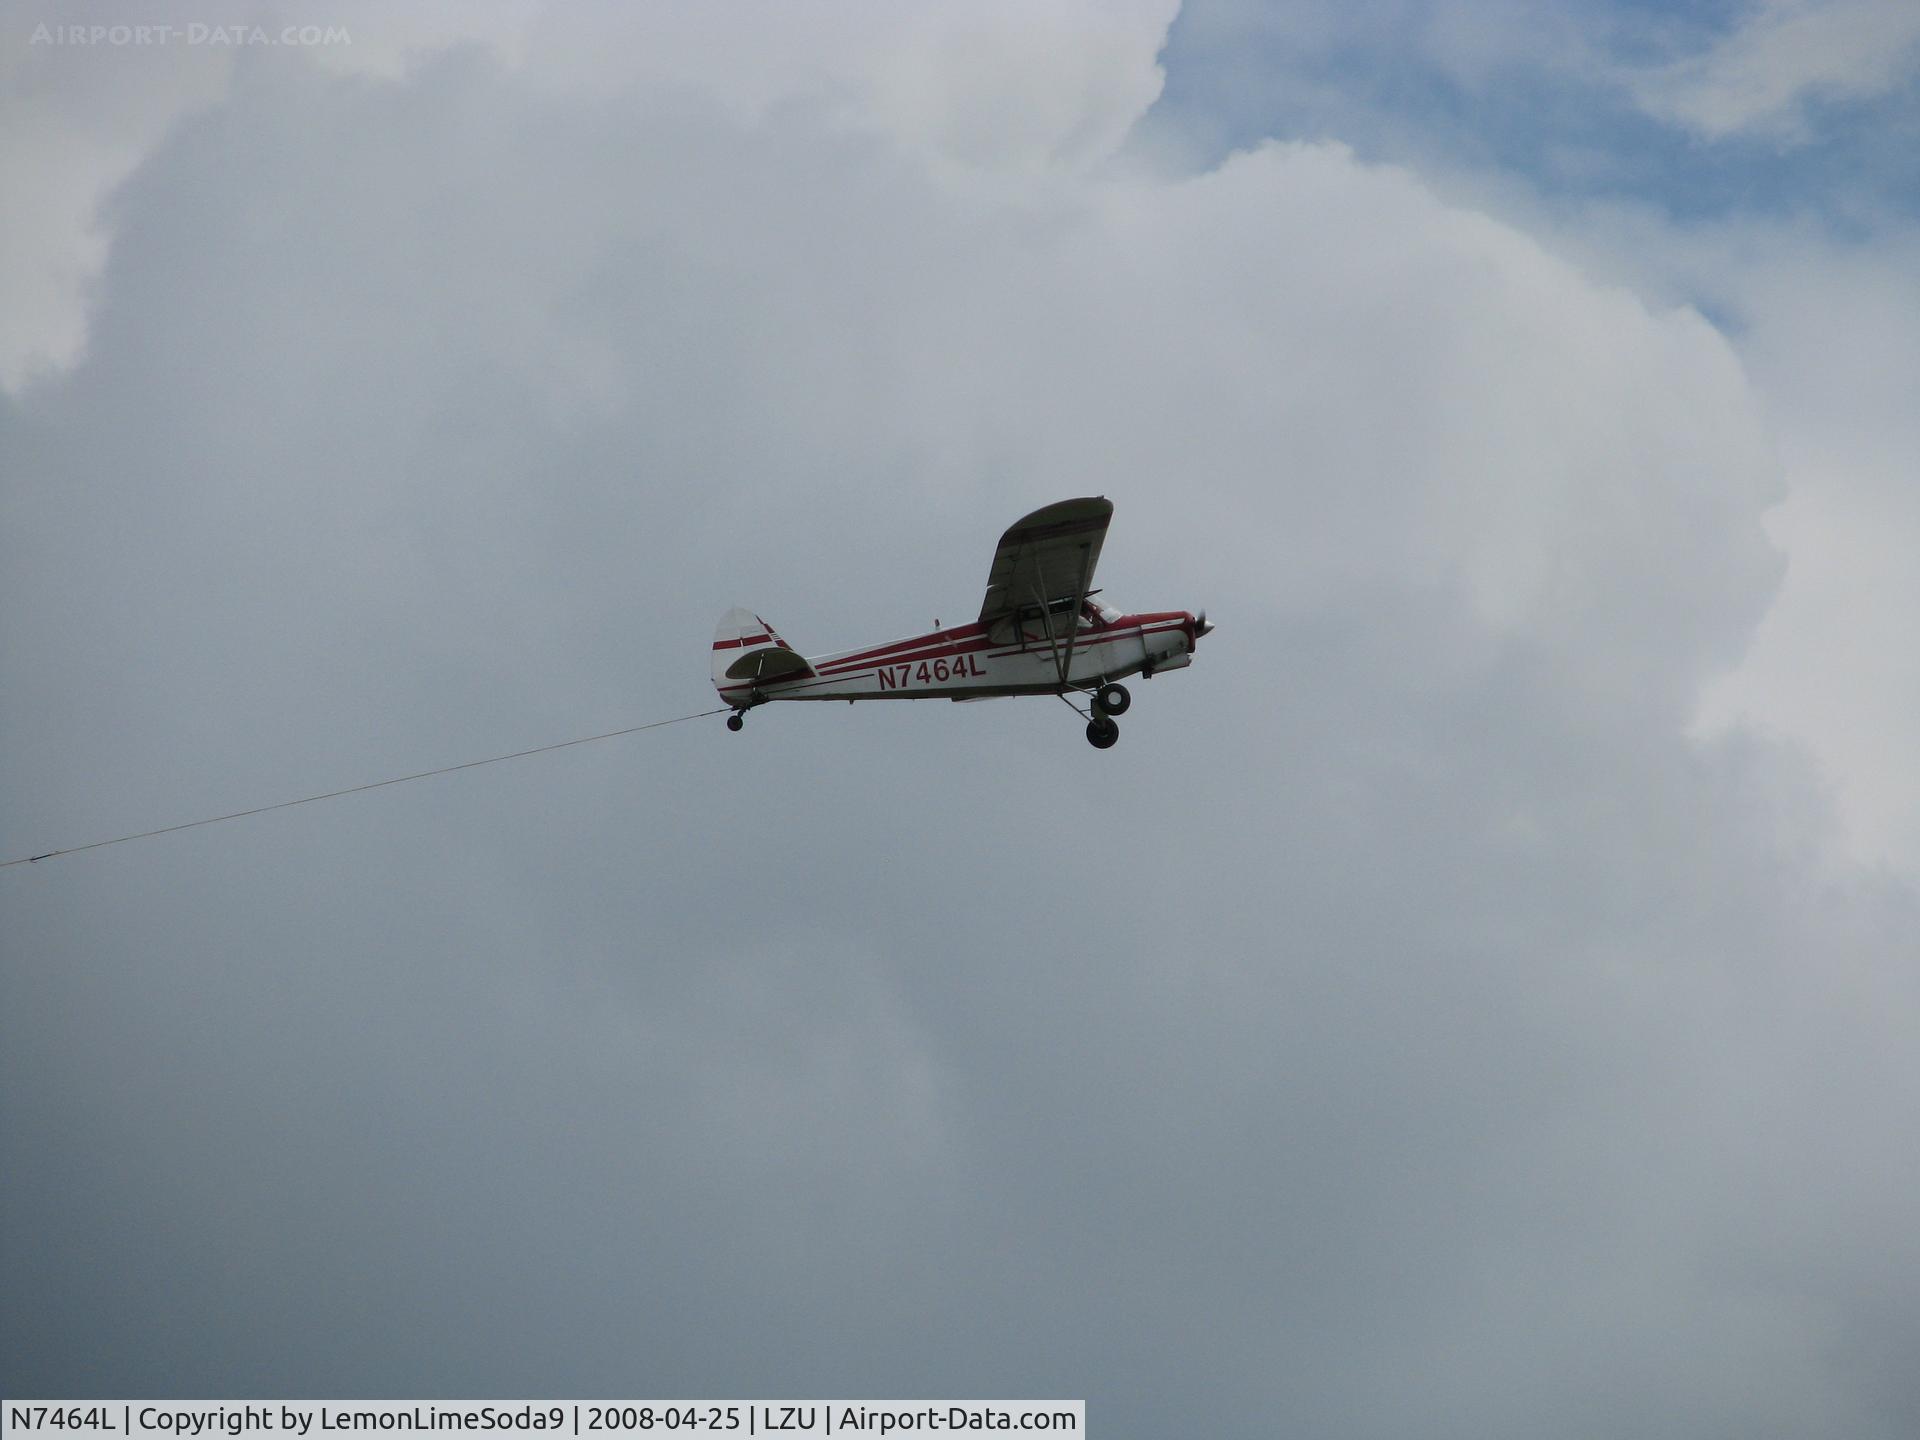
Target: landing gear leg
(1102, 732)
(736, 720)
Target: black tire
(736, 720)
(1102, 732)
(1112, 700)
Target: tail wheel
(1102, 732)
(1112, 700)
(736, 720)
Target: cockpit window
(1028, 625)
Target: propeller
(1200, 625)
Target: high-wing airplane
(1040, 632)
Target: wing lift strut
(1063, 654)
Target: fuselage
(1015, 655)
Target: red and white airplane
(1039, 633)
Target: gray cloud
(1408, 1026)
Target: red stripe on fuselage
(940, 651)
(947, 645)
(893, 648)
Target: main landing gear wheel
(736, 720)
(1102, 732)
(1112, 700)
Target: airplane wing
(1047, 556)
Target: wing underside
(1047, 557)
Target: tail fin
(747, 654)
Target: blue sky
(1757, 163)
(1548, 97)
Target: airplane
(1040, 632)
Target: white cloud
(1009, 88)
(87, 94)
(74, 122)
(1003, 85)
(1823, 329)
(1829, 336)
(1759, 77)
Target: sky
(1476, 998)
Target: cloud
(1828, 336)
(1821, 326)
(1760, 76)
(1800, 254)
(70, 130)
(999, 86)
(1415, 1029)
(86, 99)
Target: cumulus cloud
(1822, 327)
(70, 130)
(1415, 1027)
(1828, 335)
(86, 96)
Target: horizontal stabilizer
(748, 653)
(769, 663)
